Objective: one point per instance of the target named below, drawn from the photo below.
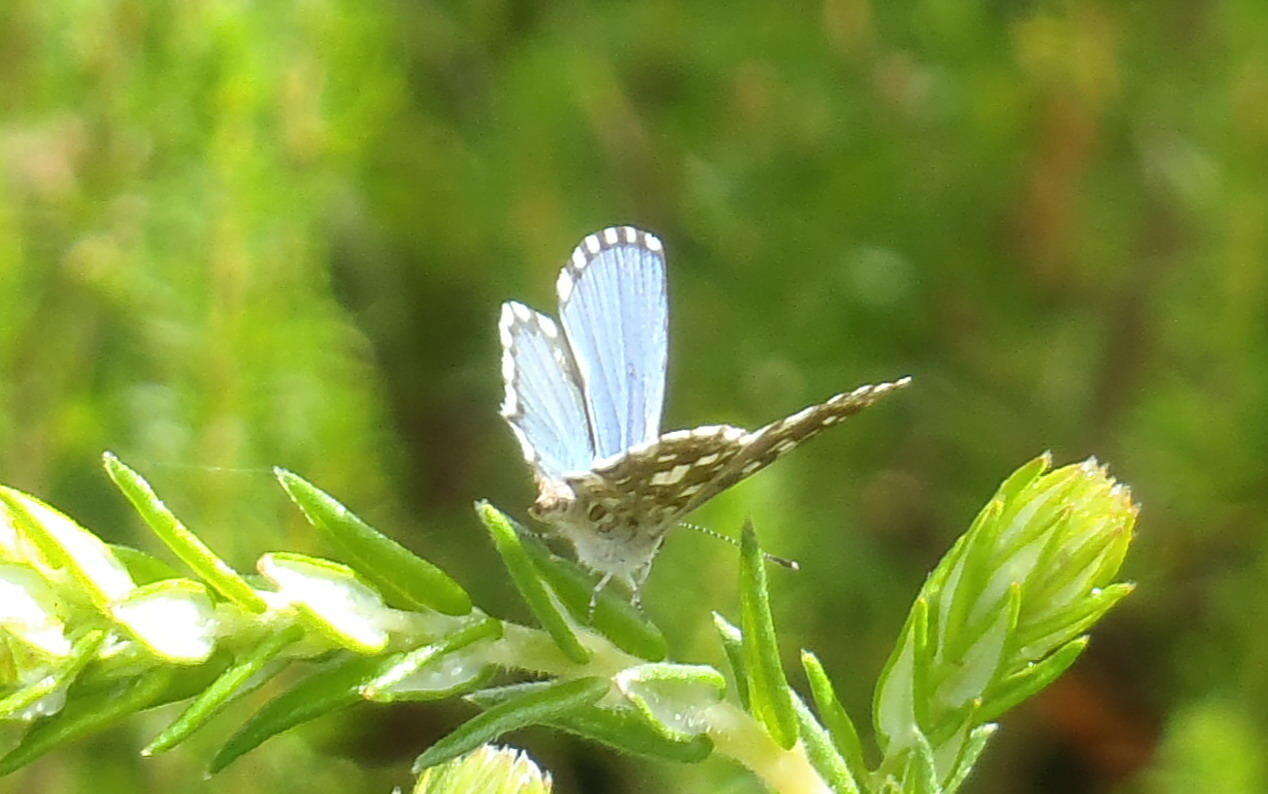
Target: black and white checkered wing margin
(765, 445)
(658, 483)
(612, 306)
(543, 402)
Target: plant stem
(737, 734)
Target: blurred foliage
(241, 234)
(1210, 746)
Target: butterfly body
(585, 403)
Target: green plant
(92, 633)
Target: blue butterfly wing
(543, 402)
(613, 307)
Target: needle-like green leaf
(733, 644)
(1020, 686)
(324, 692)
(86, 715)
(383, 687)
(404, 578)
(82, 653)
(968, 756)
(823, 754)
(64, 543)
(628, 731)
(769, 695)
(532, 708)
(665, 694)
(921, 775)
(229, 684)
(833, 714)
(185, 544)
(529, 581)
(623, 729)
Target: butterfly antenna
(791, 565)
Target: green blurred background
(236, 234)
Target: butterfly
(584, 397)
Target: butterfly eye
(597, 512)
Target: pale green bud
(497, 770)
(1005, 610)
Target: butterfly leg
(640, 578)
(594, 596)
(636, 587)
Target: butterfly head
(608, 536)
(555, 503)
